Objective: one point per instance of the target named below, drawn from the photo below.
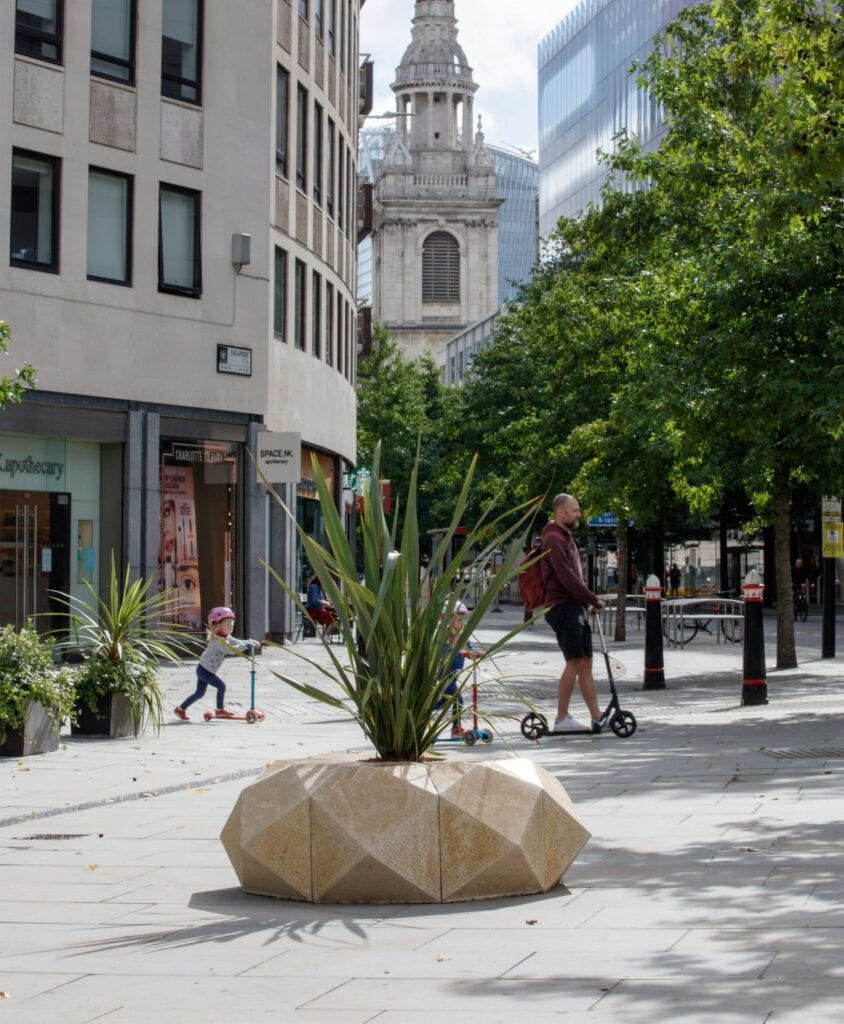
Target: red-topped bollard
(754, 689)
(654, 663)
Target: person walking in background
(674, 576)
(220, 644)
(570, 603)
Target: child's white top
(219, 649)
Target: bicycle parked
(680, 629)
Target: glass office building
(517, 178)
(587, 95)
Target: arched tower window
(440, 268)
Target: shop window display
(199, 489)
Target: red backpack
(531, 587)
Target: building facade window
(181, 50)
(38, 29)
(34, 236)
(332, 27)
(318, 18)
(282, 119)
(109, 226)
(303, 9)
(440, 268)
(113, 39)
(300, 286)
(318, 123)
(339, 349)
(330, 161)
(301, 138)
(341, 195)
(329, 324)
(280, 294)
(179, 249)
(316, 314)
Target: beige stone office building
(177, 194)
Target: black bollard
(654, 663)
(754, 689)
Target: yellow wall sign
(833, 540)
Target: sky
(500, 40)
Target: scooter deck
(251, 716)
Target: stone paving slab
(710, 891)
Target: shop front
(49, 524)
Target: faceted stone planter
(38, 735)
(372, 832)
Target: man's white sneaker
(569, 724)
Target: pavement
(711, 889)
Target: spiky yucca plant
(123, 636)
(394, 620)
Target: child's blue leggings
(204, 679)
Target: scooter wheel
(208, 716)
(486, 736)
(534, 727)
(251, 716)
(469, 738)
(623, 723)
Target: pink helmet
(218, 615)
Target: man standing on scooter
(569, 603)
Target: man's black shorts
(571, 624)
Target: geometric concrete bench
(349, 831)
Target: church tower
(435, 229)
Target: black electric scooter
(623, 723)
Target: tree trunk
(621, 559)
(786, 652)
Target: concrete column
(254, 551)
(134, 508)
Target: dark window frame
(282, 120)
(55, 212)
(301, 138)
(280, 290)
(303, 9)
(330, 168)
(130, 224)
(319, 121)
(300, 305)
(28, 34)
(318, 18)
(174, 81)
(329, 323)
(316, 314)
(194, 291)
(119, 62)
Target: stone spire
(434, 83)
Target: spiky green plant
(394, 620)
(123, 636)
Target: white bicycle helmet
(220, 614)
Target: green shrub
(28, 672)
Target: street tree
(745, 290)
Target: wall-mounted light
(241, 250)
